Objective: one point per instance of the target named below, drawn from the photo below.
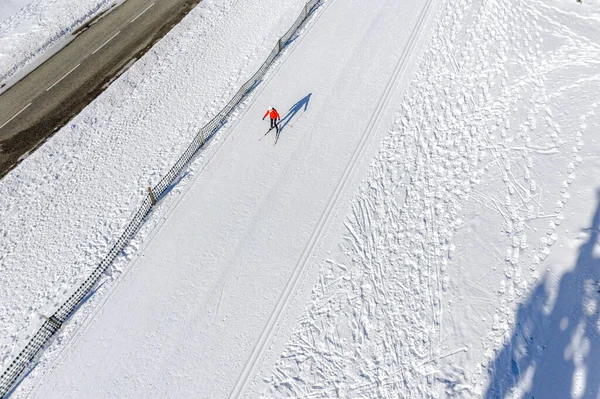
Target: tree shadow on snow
(293, 111)
(556, 348)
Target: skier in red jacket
(274, 115)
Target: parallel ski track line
(244, 106)
(265, 338)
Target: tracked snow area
(463, 262)
(62, 207)
(469, 263)
(31, 31)
(197, 308)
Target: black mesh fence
(18, 366)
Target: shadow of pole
(556, 352)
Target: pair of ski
(276, 136)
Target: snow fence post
(54, 321)
(151, 195)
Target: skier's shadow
(294, 109)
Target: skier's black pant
(274, 124)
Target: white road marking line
(59, 80)
(106, 42)
(140, 14)
(17, 114)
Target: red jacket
(273, 114)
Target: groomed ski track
(199, 306)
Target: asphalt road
(46, 99)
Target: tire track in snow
(267, 333)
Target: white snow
(471, 191)
(426, 227)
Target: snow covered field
(456, 257)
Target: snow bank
(31, 31)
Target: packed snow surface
(426, 226)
